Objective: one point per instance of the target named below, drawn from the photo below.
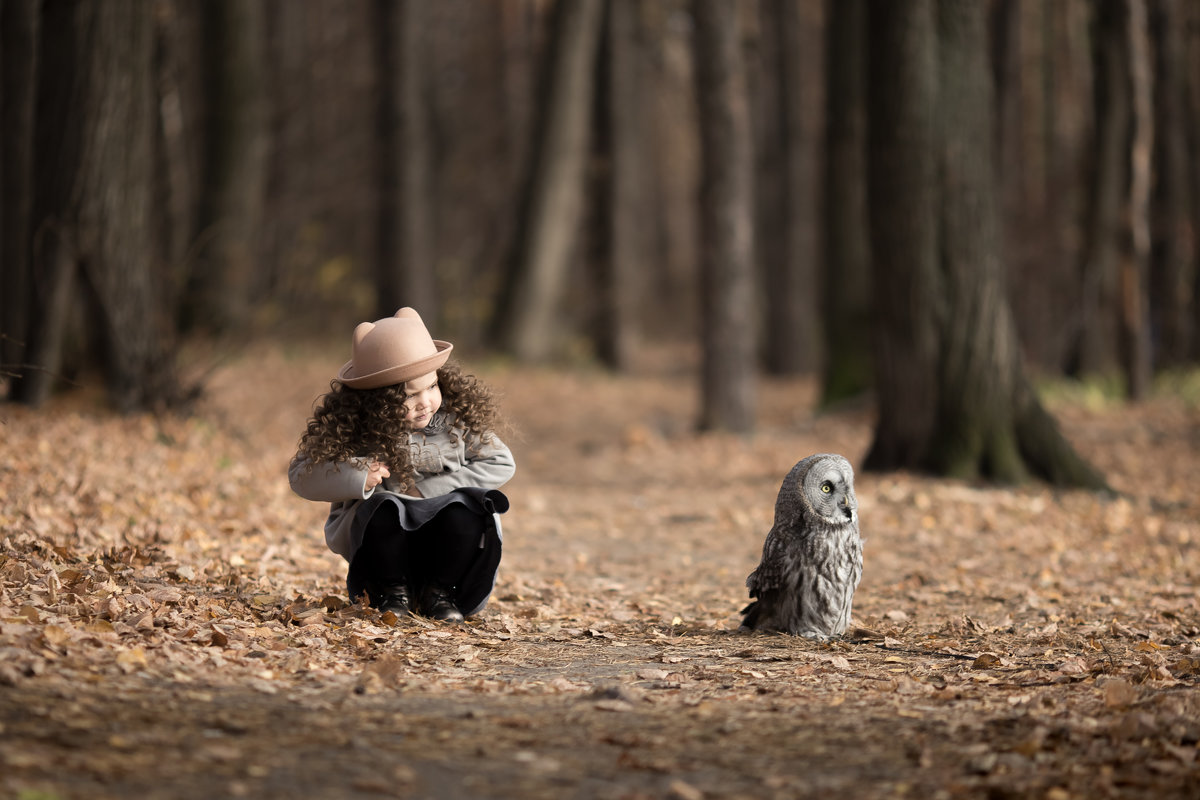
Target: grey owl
(812, 558)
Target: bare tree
(982, 418)
(1095, 347)
(222, 281)
(1191, 125)
(1173, 268)
(526, 322)
(792, 300)
(92, 204)
(623, 205)
(727, 226)
(1043, 117)
(19, 38)
(846, 284)
(1135, 266)
(903, 208)
(404, 268)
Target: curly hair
(369, 423)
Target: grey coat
(445, 457)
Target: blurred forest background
(934, 201)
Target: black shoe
(394, 598)
(436, 604)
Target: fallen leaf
(1119, 693)
(55, 635)
(1073, 666)
(986, 661)
(131, 659)
(685, 791)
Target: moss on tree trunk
(980, 420)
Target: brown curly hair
(369, 423)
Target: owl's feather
(812, 557)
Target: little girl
(403, 447)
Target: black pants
(458, 550)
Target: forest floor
(172, 626)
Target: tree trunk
(617, 333)
(1135, 266)
(727, 221)
(1095, 348)
(980, 359)
(674, 177)
(1173, 269)
(990, 423)
(404, 268)
(793, 311)
(95, 124)
(1069, 93)
(180, 145)
(1191, 22)
(986, 421)
(19, 23)
(847, 251)
(527, 322)
(224, 279)
(903, 207)
(762, 47)
(63, 89)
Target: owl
(812, 558)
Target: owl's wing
(769, 573)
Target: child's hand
(376, 472)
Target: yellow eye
(826, 487)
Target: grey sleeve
(328, 482)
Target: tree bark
(979, 357)
(674, 177)
(986, 422)
(762, 46)
(1095, 345)
(847, 252)
(19, 33)
(903, 207)
(1173, 271)
(224, 279)
(404, 266)
(526, 322)
(92, 208)
(727, 221)
(62, 89)
(1135, 266)
(1191, 123)
(1069, 94)
(179, 151)
(617, 334)
(793, 311)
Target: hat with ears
(392, 350)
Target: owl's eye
(826, 487)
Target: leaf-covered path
(171, 625)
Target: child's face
(422, 397)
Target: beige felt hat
(392, 350)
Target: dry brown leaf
(140, 590)
(131, 658)
(1119, 693)
(685, 791)
(1073, 666)
(986, 661)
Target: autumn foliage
(171, 624)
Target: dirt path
(171, 625)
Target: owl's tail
(750, 615)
